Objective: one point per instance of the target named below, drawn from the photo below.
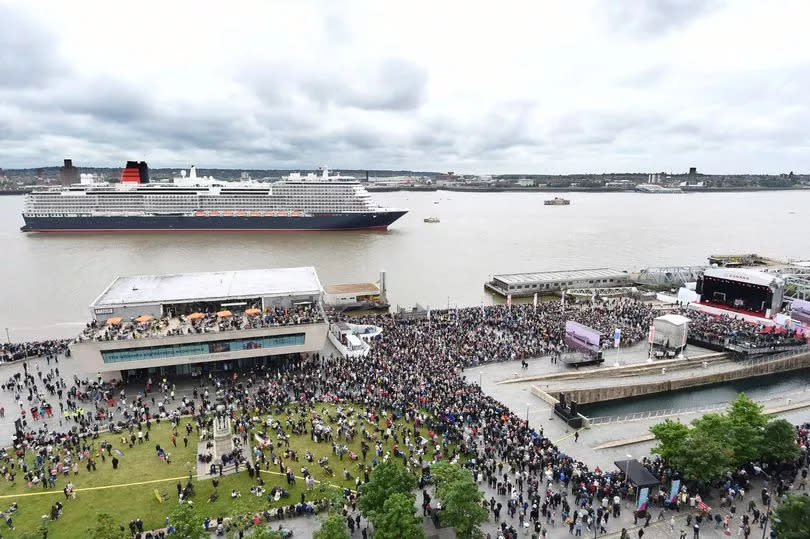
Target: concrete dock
(600, 385)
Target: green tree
(444, 474)
(791, 518)
(779, 443)
(331, 494)
(186, 522)
(106, 528)
(397, 520)
(263, 532)
(242, 513)
(671, 436)
(705, 454)
(388, 478)
(461, 499)
(746, 428)
(333, 527)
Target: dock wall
(600, 394)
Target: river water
(49, 280)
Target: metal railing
(798, 351)
(709, 407)
(647, 414)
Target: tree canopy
(461, 499)
(106, 528)
(779, 441)
(791, 518)
(717, 443)
(387, 479)
(705, 455)
(333, 527)
(671, 436)
(186, 522)
(745, 427)
(397, 520)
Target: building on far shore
(68, 174)
(196, 323)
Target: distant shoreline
(432, 188)
(482, 189)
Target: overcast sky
(563, 87)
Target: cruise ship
(311, 202)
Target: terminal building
(196, 323)
(546, 282)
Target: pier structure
(351, 296)
(548, 282)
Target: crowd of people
(24, 350)
(414, 373)
(720, 330)
(116, 328)
(471, 336)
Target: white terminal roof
(674, 319)
(560, 276)
(743, 275)
(209, 286)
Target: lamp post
(768, 509)
(527, 412)
(627, 469)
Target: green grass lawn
(126, 501)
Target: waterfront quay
(586, 448)
(611, 438)
(439, 375)
(598, 385)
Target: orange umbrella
(196, 316)
(224, 314)
(144, 318)
(114, 321)
(252, 312)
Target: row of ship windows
(86, 202)
(191, 201)
(192, 206)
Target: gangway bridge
(669, 276)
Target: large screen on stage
(581, 337)
(800, 311)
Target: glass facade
(196, 349)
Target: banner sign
(673, 494)
(642, 499)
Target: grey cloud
(645, 77)
(601, 127)
(394, 84)
(655, 17)
(27, 51)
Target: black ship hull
(168, 223)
